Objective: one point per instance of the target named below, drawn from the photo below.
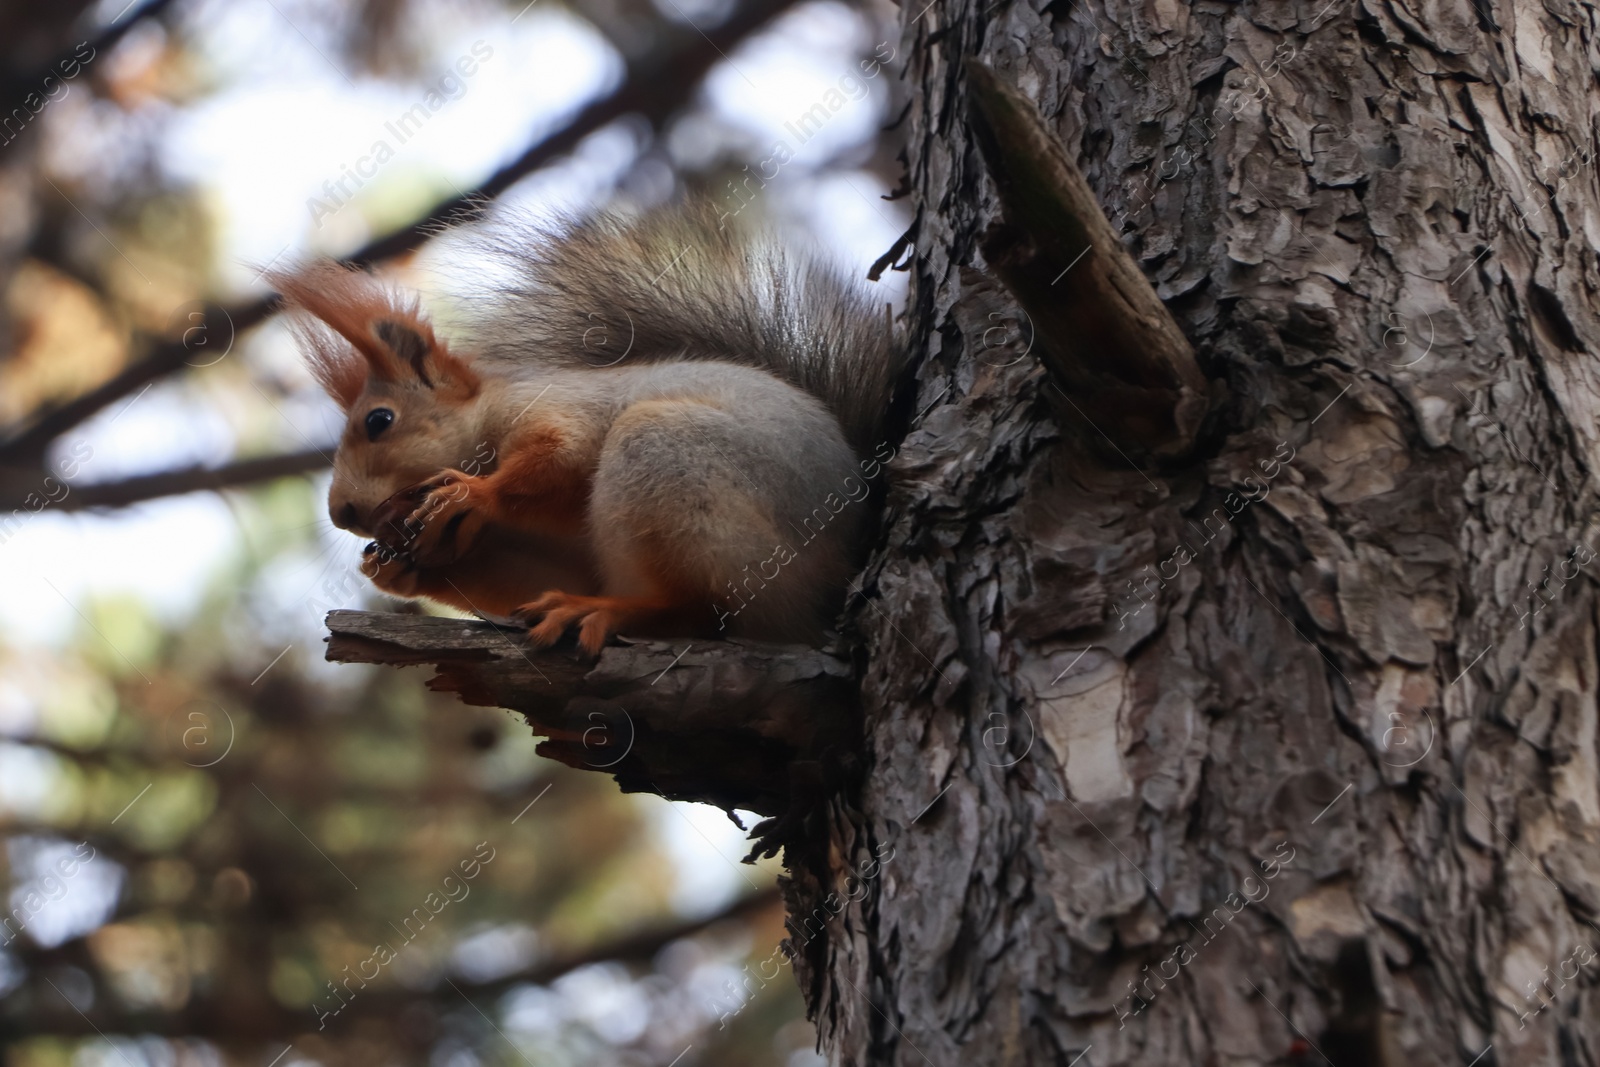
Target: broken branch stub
(721, 722)
(1102, 330)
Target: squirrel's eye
(378, 420)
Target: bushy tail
(673, 284)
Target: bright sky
(288, 123)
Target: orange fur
(663, 607)
(537, 487)
(502, 573)
(600, 617)
(357, 310)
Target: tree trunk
(1284, 752)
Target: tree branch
(720, 722)
(655, 87)
(33, 81)
(639, 946)
(136, 490)
(1104, 332)
(200, 1018)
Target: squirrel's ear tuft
(336, 305)
(354, 329)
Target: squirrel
(648, 424)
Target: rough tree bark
(1284, 752)
(1227, 698)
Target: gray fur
(672, 285)
(717, 467)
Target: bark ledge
(736, 724)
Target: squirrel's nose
(346, 517)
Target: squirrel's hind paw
(598, 617)
(560, 611)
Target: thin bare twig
(195, 479)
(655, 87)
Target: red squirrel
(646, 424)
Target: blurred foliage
(215, 848)
(256, 829)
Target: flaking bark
(1352, 641)
(1093, 317)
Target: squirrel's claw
(391, 571)
(560, 611)
(445, 521)
(599, 618)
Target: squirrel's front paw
(391, 571)
(447, 518)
